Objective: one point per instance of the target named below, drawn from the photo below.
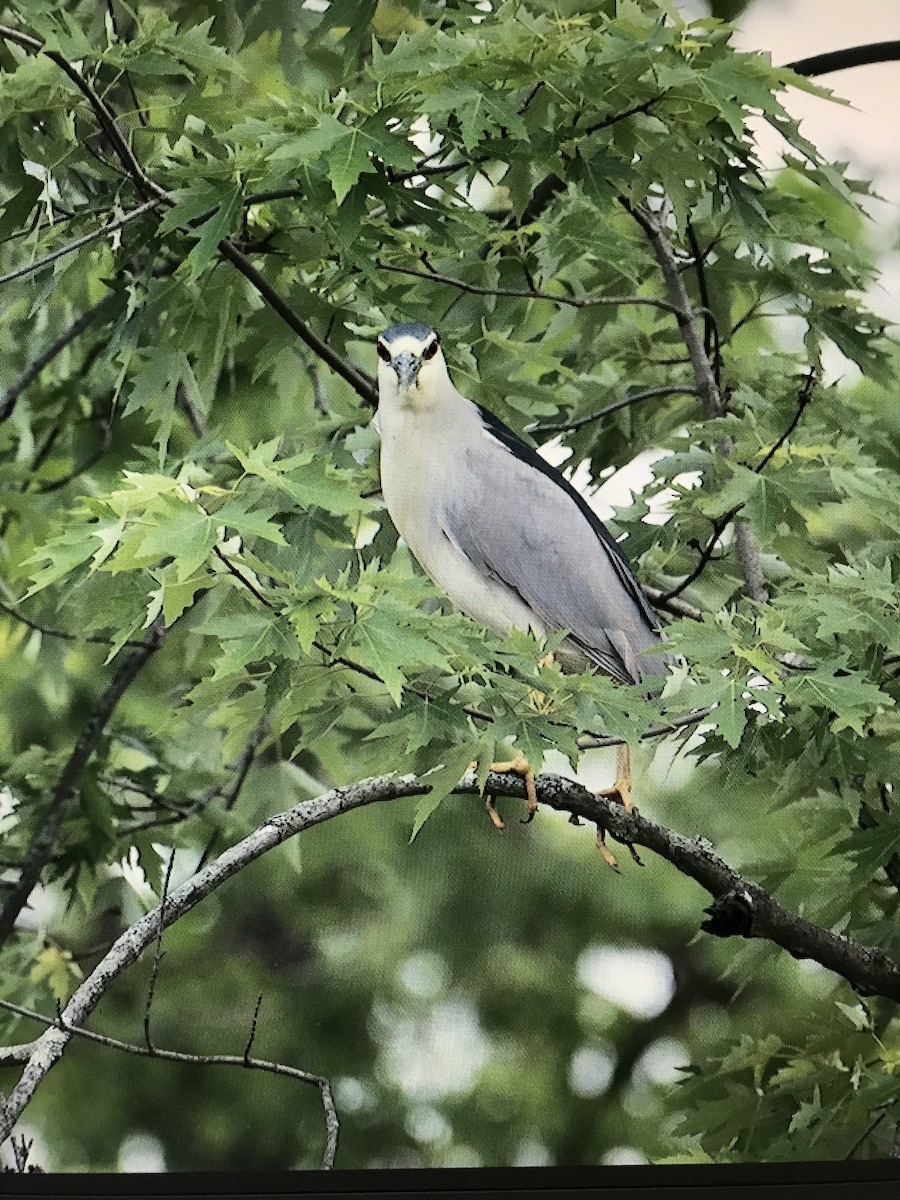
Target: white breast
(420, 461)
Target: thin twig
(712, 344)
(873, 1125)
(529, 293)
(77, 243)
(719, 527)
(748, 552)
(206, 1060)
(63, 634)
(243, 580)
(241, 767)
(158, 952)
(626, 402)
(253, 1024)
(31, 372)
(592, 741)
(362, 383)
(803, 400)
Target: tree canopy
(208, 212)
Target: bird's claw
(608, 857)
(521, 766)
(620, 792)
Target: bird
(504, 534)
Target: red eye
(383, 353)
(431, 349)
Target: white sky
(865, 133)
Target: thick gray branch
(710, 397)
(739, 907)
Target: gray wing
(519, 521)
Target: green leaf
(214, 230)
(19, 207)
(154, 392)
(442, 781)
(187, 535)
(848, 694)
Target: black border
(800, 1180)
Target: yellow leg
(496, 819)
(521, 766)
(537, 699)
(608, 857)
(621, 789)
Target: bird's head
(411, 365)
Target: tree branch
(739, 907)
(669, 603)
(530, 293)
(362, 383)
(64, 634)
(67, 785)
(34, 368)
(625, 402)
(246, 1060)
(842, 60)
(77, 243)
(748, 551)
(803, 399)
(719, 527)
(653, 226)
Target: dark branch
(842, 60)
(803, 398)
(242, 766)
(246, 1060)
(712, 343)
(719, 527)
(476, 289)
(31, 372)
(41, 848)
(626, 402)
(722, 523)
(77, 243)
(363, 384)
(64, 634)
(158, 951)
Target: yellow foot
(621, 792)
(521, 766)
(539, 702)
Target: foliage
(186, 456)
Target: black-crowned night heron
(502, 532)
